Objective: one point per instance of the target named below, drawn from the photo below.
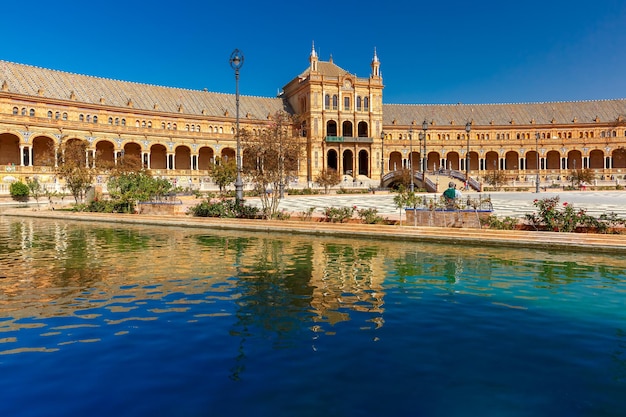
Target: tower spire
(375, 65)
(313, 58)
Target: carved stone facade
(178, 133)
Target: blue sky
(479, 51)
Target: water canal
(105, 320)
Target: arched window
(81, 117)
(358, 103)
(366, 103)
(335, 102)
(57, 115)
(49, 114)
(327, 102)
(32, 112)
(346, 103)
(64, 116)
(23, 111)
(149, 124)
(123, 122)
(15, 111)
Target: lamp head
(236, 59)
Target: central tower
(342, 118)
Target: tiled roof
(604, 111)
(28, 80)
(328, 69)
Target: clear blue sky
(481, 51)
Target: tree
(72, 167)
(495, 178)
(35, 189)
(128, 188)
(271, 157)
(223, 173)
(583, 176)
(328, 178)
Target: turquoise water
(102, 320)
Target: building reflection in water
(59, 276)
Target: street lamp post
(425, 163)
(236, 62)
(468, 128)
(537, 152)
(412, 186)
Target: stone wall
(161, 209)
(446, 218)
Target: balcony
(348, 139)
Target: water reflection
(252, 306)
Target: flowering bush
(564, 217)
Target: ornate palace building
(178, 133)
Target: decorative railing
(348, 139)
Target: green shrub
(338, 214)
(493, 222)
(19, 191)
(224, 209)
(370, 216)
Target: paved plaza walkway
(514, 204)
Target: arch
(433, 159)
(348, 162)
(332, 160)
(331, 128)
(182, 157)
(395, 161)
(133, 149)
(104, 153)
(346, 129)
(619, 158)
(453, 161)
(491, 161)
(596, 159)
(228, 153)
(9, 149)
(473, 161)
(531, 160)
(574, 160)
(364, 162)
(205, 157)
(553, 160)
(158, 156)
(363, 130)
(511, 161)
(43, 151)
